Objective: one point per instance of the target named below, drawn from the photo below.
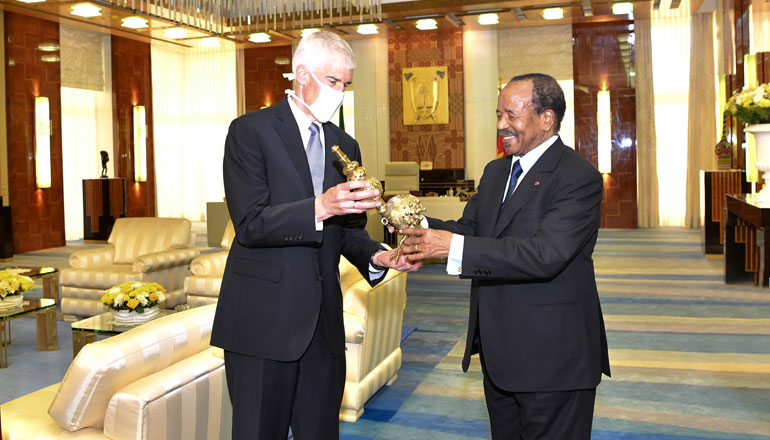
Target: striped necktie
(315, 159)
(515, 173)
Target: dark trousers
(269, 396)
(565, 415)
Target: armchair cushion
(209, 264)
(97, 277)
(135, 236)
(101, 369)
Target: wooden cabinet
(104, 201)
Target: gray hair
(318, 46)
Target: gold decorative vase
(400, 211)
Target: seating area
(140, 249)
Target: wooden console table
(743, 217)
(716, 184)
(104, 201)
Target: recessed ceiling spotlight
(488, 19)
(553, 13)
(86, 10)
(175, 33)
(32, 1)
(260, 37)
(134, 22)
(210, 42)
(367, 29)
(623, 8)
(426, 24)
(306, 32)
(48, 47)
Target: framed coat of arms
(425, 95)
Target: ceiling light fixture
(553, 13)
(368, 29)
(308, 31)
(260, 37)
(426, 24)
(86, 10)
(623, 8)
(519, 13)
(50, 58)
(488, 19)
(175, 33)
(32, 1)
(134, 22)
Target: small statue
(105, 159)
(401, 211)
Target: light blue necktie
(515, 173)
(315, 159)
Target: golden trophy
(401, 211)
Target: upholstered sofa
(161, 380)
(202, 287)
(139, 249)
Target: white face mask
(326, 103)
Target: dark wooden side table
(716, 184)
(743, 216)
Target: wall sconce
(140, 144)
(604, 131)
(42, 142)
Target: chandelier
(234, 17)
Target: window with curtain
(194, 100)
(670, 29)
(86, 113)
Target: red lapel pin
(537, 182)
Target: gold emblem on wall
(425, 95)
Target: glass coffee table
(49, 275)
(45, 311)
(85, 331)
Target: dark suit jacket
(533, 290)
(282, 274)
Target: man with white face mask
(279, 315)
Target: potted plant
(134, 301)
(12, 287)
(751, 106)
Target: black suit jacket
(282, 274)
(533, 290)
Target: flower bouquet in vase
(12, 287)
(134, 301)
(751, 106)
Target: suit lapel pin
(537, 182)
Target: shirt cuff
(424, 222)
(319, 226)
(375, 274)
(454, 264)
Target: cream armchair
(140, 249)
(202, 287)
(401, 177)
(373, 318)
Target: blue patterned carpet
(690, 355)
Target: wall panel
(37, 214)
(443, 144)
(264, 84)
(603, 60)
(132, 85)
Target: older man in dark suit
(279, 315)
(526, 241)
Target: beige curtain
(240, 82)
(760, 26)
(701, 132)
(646, 164)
